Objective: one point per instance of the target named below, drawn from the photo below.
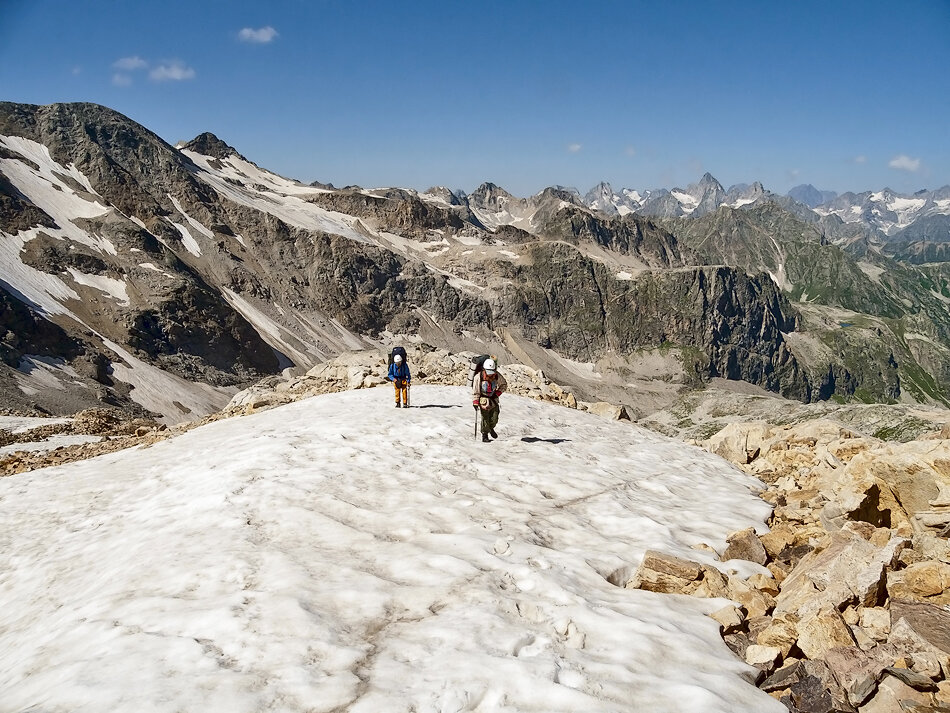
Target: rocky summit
(162, 279)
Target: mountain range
(162, 278)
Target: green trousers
(490, 418)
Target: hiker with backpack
(399, 375)
(487, 386)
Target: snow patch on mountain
(116, 289)
(326, 556)
(163, 392)
(48, 191)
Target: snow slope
(338, 555)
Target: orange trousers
(402, 390)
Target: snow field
(338, 554)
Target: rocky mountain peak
(207, 144)
(811, 196)
(445, 194)
(709, 182)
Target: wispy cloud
(260, 36)
(630, 152)
(173, 71)
(130, 64)
(121, 80)
(860, 159)
(76, 71)
(905, 163)
(574, 148)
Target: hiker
(401, 378)
(487, 386)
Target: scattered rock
(745, 545)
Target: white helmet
(489, 366)
(398, 358)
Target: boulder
(895, 696)
(739, 443)
(849, 569)
(876, 621)
(857, 671)
(923, 626)
(780, 634)
(755, 602)
(929, 579)
(777, 539)
(817, 691)
(745, 545)
(659, 572)
(729, 618)
(763, 658)
(608, 410)
(821, 631)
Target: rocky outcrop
(851, 615)
(207, 144)
(403, 215)
(627, 235)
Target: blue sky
(843, 95)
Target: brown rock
(822, 631)
(850, 569)
(714, 584)
(912, 678)
(894, 696)
(745, 545)
(764, 584)
(924, 623)
(763, 658)
(756, 603)
(876, 621)
(729, 618)
(777, 539)
(858, 671)
(781, 634)
(665, 573)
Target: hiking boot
(485, 438)
(492, 433)
(397, 404)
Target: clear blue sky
(844, 95)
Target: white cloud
(176, 70)
(860, 159)
(905, 163)
(121, 80)
(77, 70)
(129, 64)
(630, 151)
(574, 148)
(261, 36)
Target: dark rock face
(207, 144)
(23, 331)
(16, 212)
(730, 323)
(629, 235)
(407, 216)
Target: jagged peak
(207, 144)
(489, 189)
(709, 180)
(446, 194)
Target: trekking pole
(476, 423)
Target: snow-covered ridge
(327, 556)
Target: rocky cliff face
(194, 265)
